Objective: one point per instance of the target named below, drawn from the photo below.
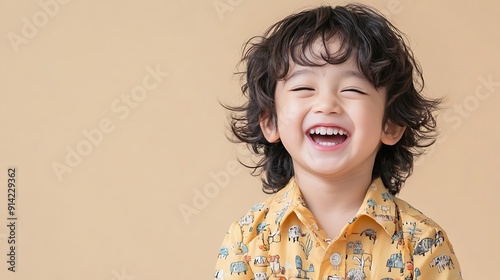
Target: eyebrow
(355, 74)
(303, 71)
(298, 73)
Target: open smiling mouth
(328, 136)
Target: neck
(333, 194)
(333, 202)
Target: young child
(335, 112)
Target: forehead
(319, 48)
(321, 53)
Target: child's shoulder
(419, 226)
(265, 216)
(389, 210)
(410, 214)
(251, 224)
(256, 214)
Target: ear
(392, 133)
(269, 129)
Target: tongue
(328, 138)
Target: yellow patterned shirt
(387, 239)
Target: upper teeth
(328, 131)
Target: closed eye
(302, 88)
(354, 90)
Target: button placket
(335, 260)
(334, 257)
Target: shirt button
(335, 260)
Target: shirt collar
(288, 200)
(378, 205)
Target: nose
(327, 103)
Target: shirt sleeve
(232, 261)
(434, 257)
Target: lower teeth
(327, 143)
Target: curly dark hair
(383, 57)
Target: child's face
(330, 119)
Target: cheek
(369, 121)
(288, 115)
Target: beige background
(116, 214)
